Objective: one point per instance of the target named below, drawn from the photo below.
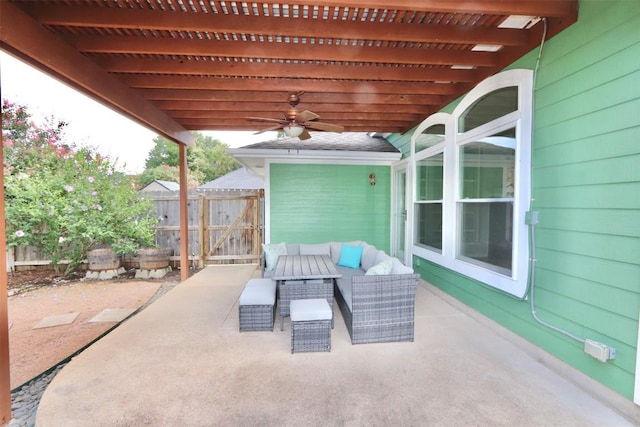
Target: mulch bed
(28, 280)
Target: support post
(5, 372)
(184, 213)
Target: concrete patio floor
(182, 362)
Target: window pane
(431, 136)
(487, 167)
(486, 234)
(429, 178)
(429, 225)
(491, 106)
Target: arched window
(428, 144)
(472, 186)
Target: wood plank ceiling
(371, 66)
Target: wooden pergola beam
(175, 107)
(273, 25)
(283, 51)
(311, 70)
(555, 8)
(256, 86)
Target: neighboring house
(530, 180)
(239, 179)
(158, 185)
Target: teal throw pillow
(350, 256)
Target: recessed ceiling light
(486, 47)
(462, 67)
(519, 22)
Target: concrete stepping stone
(112, 315)
(57, 320)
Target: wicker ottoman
(310, 325)
(257, 305)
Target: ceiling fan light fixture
(293, 130)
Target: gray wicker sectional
(375, 307)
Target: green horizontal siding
(312, 203)
(590, 269)
(617, 222)
(595, 147)
(586, 187)
(606, 196)
(402, 142)
(605, 246)
(602, 171)
(585, 290)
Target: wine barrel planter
(103, 259)
(154, 258)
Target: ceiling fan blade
(304, 135)
(324, 126)
(263, 119)
(278, 127)
(307, 115)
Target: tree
(206, 161)
(210, 159)
(65, 200)
(164, 152)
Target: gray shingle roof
(346, 141)
(169, 185)
(239, 179)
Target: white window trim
(516, 283)
(443, 147)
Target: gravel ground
(25, 399)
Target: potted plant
(150, 258)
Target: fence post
(256, 225)
(11, 260)
(202, 234)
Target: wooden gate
(225, 227)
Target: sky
(91, 123)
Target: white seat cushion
(259, 292)
(310, 309)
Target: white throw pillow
(271, 254)
(382, 268)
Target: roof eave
(256, 159)
(315, 154)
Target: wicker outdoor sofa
(376, 299)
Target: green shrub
(66, 200)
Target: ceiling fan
(295, 123)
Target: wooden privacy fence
(225, 227)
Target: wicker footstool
(310, 325)
(258, 305)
